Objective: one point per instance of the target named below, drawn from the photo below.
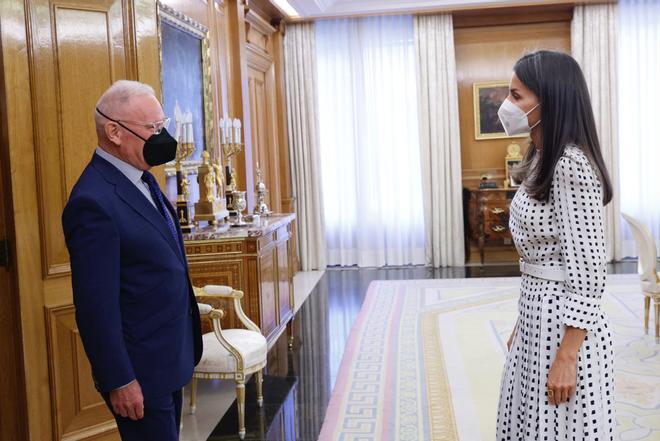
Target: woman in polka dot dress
(558, 380)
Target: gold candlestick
(183, 204)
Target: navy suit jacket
(135, 307)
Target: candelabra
(230, 141)
(186, 147)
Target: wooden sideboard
(488, 217)
(256, 260)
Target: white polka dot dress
(566, 230)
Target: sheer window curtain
(440, 140)
(369, 141)
(301, 94)
(639, 98)
(593, 41)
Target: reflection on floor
(299, 382)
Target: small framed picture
(488, 98)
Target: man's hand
(128, 401)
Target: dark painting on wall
(185, 75)
(182, 79)
(487, 100)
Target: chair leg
(240, 401)
(260, 383)
(193, 395)
(647, 307)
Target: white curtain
(593, 41)
(639, 103)
(372, 190)
(301, 94)
(440, 140)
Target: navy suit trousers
(161, 422)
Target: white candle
(237, 130)
(177, 131)
(223, 131)
(230, 137)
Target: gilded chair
(229, 354)
(648, 257)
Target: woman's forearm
(570, 344)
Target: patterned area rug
(425, 357)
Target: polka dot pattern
(566, 230)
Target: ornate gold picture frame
(185, 79)
(488, 96)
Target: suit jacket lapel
(127, 191)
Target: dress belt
(555, 273)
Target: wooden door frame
(13, 405)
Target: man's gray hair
(116, 97)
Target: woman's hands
(510, 341)
(562, 377)
(513, 335)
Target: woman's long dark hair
(566, 118)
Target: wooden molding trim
(259, 23)
(73, 416)
(257, 58)
(513, 15)
(477, 8)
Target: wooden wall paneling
(287, 202)
(25, 209)
(66, 56)
(218, 17)
(239, 105)
(488, 53)
(284, 288)
(79, 411)
(555, 12)
(263, 100)
(70, 66)
(146, 46)
(268, 282)
(13, 421)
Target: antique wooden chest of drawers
(256, 260)
(488, 217)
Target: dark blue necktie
(157, 196)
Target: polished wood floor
(298, 386)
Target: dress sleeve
(578, 207)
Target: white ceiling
(330, 8)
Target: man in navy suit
(135, 308)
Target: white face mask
(514, 120)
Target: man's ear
(112, 132)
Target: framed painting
(185, 74)
(488, 98)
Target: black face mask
(158, 149)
